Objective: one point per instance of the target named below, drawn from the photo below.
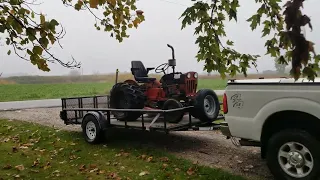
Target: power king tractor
(174, 90)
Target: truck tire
(91, 130)
(206, 105)
(294, 154)
(126, 96)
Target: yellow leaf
(20, 167)
(190, 171)
(136, 22)
(149, 159)
(164, 159)
(112, 2)
(143, 173)
(94, 3)
(8, 166)
(82, 167)
(311, 47)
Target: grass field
(15, 92)
(47, 87)
(31, 151)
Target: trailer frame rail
(76, 108)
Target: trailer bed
(74, 109)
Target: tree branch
(44, 48)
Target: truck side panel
(250, 105)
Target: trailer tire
(92, 132)
(126, 96)
(206, 105)
(297, 148)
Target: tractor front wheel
(206, 105)
(175, 116)
(126, 96)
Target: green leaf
(282, 60)
(9, 52)
(266, 31)
(37, 50)
(8, 41)
(232, 14)
(317, 58)
(2, 29)
(51, 38)
(230, 43)
(44, 42)
(42, 19)
(54, 22)
(29, 52)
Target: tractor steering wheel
(162, 68)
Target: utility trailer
(94, 115)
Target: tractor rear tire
(126, 96)
(176, 116)
(206, 106)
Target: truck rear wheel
(206, 105)
(294, 154)
(126, 96)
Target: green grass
(17, 92)
(30, 151)
(216, 84)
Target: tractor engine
(180, 86)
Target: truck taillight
(225, 104)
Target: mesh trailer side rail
(72, 117)
(108, 111)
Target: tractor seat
(140, 73)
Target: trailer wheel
(294, 154)
(91, 129)
(173, 117)
(206, 105)
(126, 96)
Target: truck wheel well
(286, 120)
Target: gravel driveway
(205, 147)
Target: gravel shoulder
(208, 148)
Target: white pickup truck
(282, 116)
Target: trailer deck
(74, 110)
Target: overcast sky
(100, 53)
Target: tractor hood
(191, 75)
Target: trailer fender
(99, 116)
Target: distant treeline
(66, 79)
(101, 78)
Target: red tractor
(174, 90)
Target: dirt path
(205, 147)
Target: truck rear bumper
(224, 128)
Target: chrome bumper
(224, 128)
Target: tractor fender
(130, 81)
(99, 116)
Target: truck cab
(280, 115)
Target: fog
(98, 52)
